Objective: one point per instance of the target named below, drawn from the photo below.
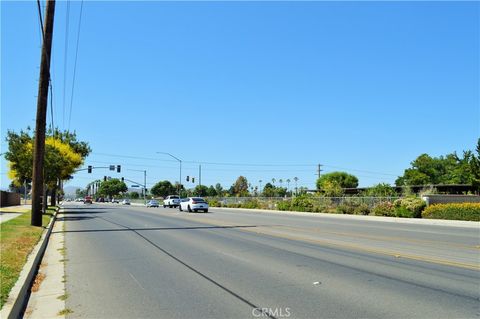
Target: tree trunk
(53, 196)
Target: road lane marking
(395, 254)
(381, 238)
(135, 279)
(259, 230)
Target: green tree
(211, 192)
(219, 189)
(201, 190)
(112, 187)
(240, 188)
(334, 179)
(448, 169)
(380, 190)
(163, 189)
(269, 190)
(134, 195)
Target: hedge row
(408, 207)
(458, 211)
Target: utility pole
(39, 146)
(200, 175)
(145, 186)
(319, 170)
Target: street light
(144, 182)
(180, 161)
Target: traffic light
(89, 169)
(118, 168)
(188, 178)
(193, 179)
(104, 178)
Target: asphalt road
(137, 262)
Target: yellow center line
(379, 238)
(396, 254)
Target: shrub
(302, 203)
(409, 207)
(345, 209)
(362, 209)
(253, 203)
(284, 205)
(384, 209)
(214, 203)
(457, 211)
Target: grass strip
(17, 240)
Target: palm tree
(280, 181)
(260, 188)
(273, 181)
(288, 184)
(296, 189)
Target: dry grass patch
(17, 240)
(38, 281)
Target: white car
(171, 201)
(126, 201)
(193, 204)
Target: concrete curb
(399, 220)
(18, 297)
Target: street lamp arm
(170, 155)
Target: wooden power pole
(39, 144)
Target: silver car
(152, 203)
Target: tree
(332, 188)
(240, 188)
(448, 169)
(219, 189)
(134, 195)
(201, 190)
(334, 179)
(80, 193)
(380, 190)
(211, 192)
(112, 187)
(63, 154)
(269, 190)
(163, 189)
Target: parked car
(115, 201)
(126, 202)
(193, 204)
(87, 200)
(153, 203)
(171, 201)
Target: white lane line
(135, 279)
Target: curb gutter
(18, 297)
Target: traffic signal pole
(39, 143)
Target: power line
(75, 65)
(65, 59)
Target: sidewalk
(10, 212)
(47, 299)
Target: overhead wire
(75, 66)
(65, 59)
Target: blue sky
(272, 87)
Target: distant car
(193, 204)
(153, 203)
(171, 201)
(115, 201)
(126, 202)
(87, 200)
